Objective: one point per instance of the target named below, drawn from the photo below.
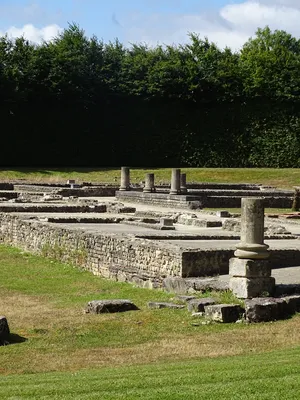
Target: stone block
(199, 304)
(266, 309)
(109, 306)
(223, 312)
(4, 330)
(245, 288)
(158, 304)
(287, 289)
(166, 222)
(293, 303)
(249, 268)
(204, 284)
(175, 285)
(195, 205)
(223, 214)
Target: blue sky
(226, 22)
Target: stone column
(125, 179)
(149, 184)
(175, 181)
(250, 270)
(252, 230)
(296, 199)
(183, 188)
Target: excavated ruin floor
(184, 236)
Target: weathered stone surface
(245, 288)
(175, 181)
(249, 268)
(149, 183)
(4, 330)
(166, 222)
(51, 197)
(194, 205)
(223, 214)
(223, 312)
(183, 188)
(175, 285)
(117, 207)
(286, 289)
(273, 229)
(199, 304)
(232, 224)
(204, 284)
(110, 306)
(266, 309)
(198, 314)
(293, 303)
(252, 230)
(158, 304)
(125, 179)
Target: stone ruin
(198, 195)
(159, 236)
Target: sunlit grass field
(281, 178)
(62, 353)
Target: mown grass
(268, 376)
(281, 178)
(62, 353)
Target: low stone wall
(35, 188)
(6, 186)
(89, 191)
(235, 201)
(122, 258)
(50, 208)
(160, 199)
(66, 191)
(197, 199)
(9, 194)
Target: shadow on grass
(13, 338)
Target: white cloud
(33, 34)
(229, 26)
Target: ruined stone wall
(273, 199)
(123, 258)
(66, 191)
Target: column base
(247, 268)
(252, 251)
(247, 288)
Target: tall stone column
(252, 230)
(183, 188)
(149, 184)
(125, 179)
(250, 270)
(175, 181)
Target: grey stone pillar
(252, 230)
(175, 181)
(183, 188)
(149, 184)
(250, 271)
(125, 179)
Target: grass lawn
(281, 177)
(62, 353)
